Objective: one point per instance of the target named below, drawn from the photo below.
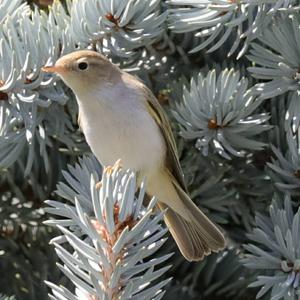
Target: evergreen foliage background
(228, 75)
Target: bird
(122, 119)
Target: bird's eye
(83, 66)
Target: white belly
(121, 128)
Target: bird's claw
(109, 170)
(117, 166)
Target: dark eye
(82, 66)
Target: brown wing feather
(172, 161)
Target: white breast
(117, 125)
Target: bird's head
(83, 70)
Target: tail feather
(205, 227)
(193, 241)
(196, 237)
(180, 233)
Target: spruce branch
(277, 58)
(25, 256)
(253, 190)
(286, 168)
(3, 297)
(219, 276)
(292, 115)
(216, 21)
(11, 9)
(274, 251)
(277, 62)
(112, 235)
(32, 112)
(206, 179)
(119, 27)
(26, 259)
(217, 112)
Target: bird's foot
(117, 166)
(109, 170)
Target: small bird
(122, 119)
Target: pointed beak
(53, 69)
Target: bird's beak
(53, 69)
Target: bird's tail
(195, 235)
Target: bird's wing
(79, 120)
(157, 112)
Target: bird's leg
(109, 170)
